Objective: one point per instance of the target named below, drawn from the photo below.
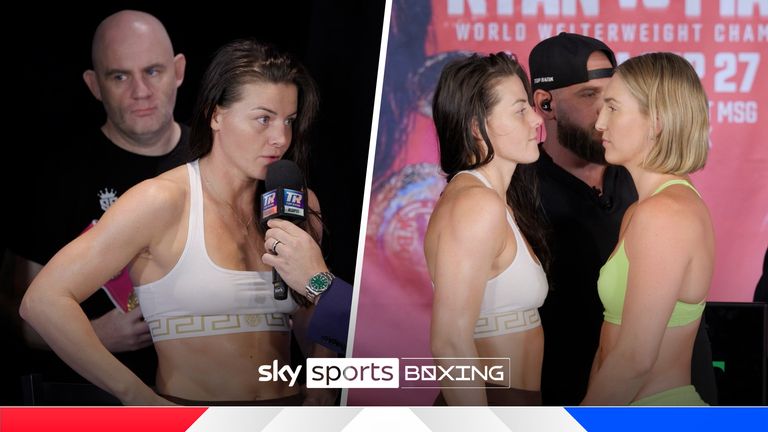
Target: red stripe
(123, 419)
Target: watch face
(319, 282)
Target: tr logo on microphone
(268, 204)
(294, 202)
(293, 197)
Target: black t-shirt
(87, 178)
(583, 230)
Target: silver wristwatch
(317, 285)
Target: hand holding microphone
(284, 199)
(298, 256)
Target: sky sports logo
(406, 372)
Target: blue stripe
(700, 419)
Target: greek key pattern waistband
(208, 325)
(507, 322)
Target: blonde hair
(670, 94)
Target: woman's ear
(476, 130)
(216, 119)
(655, 129)
(478, 136)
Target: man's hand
(121, 332)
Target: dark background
(337, 40)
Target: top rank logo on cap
(561, 61)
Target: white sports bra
(511, 299)
(199, 298)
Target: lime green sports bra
(612, 284)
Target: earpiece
(545, 105)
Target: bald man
(135, 75)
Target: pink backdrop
(725, 41)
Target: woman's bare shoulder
(471, 210)
(668, 221)
(162, 196)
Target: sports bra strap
(477, 175)
(668, 183)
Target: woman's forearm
(446, 351)
(66, 329)
(616, 380)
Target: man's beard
(580, 142)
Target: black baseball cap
(561, 61)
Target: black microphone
(283, 199)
